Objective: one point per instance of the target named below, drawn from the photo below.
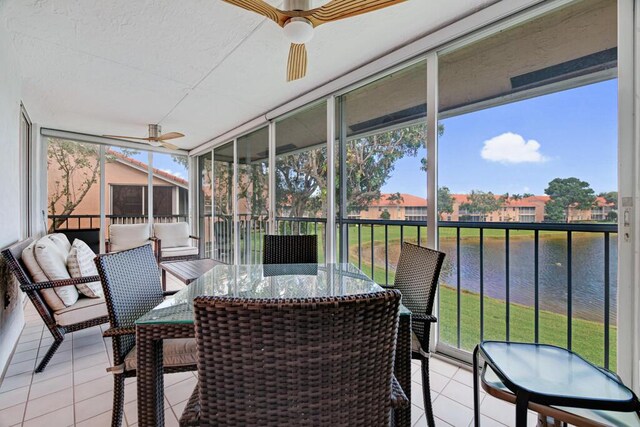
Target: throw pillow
(54, 264)
(37, 275)
(80, 264)
(61, 242)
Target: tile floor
(75, 388)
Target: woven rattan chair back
(417, 277)
(132, 287)
(303, 362)
(13, 257)
(290, 249)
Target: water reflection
(587, 271)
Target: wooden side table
(186, 271)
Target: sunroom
(480, 157)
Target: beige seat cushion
(128, 236)
(172, 234)
(185, 251)
(83, 310)
(175, 352)
(415, 343)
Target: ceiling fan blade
(262, 8)
(297, 64)
(168, 145)
(170, 135)
(340, 9)
(126, 137)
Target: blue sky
(163, 162)
(520, 147)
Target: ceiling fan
(156, 137)
(298, 21)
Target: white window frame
(25, 179)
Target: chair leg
(118, 400)
(426, 393)
(49, 355)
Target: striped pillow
(80, 264)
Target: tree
(181, 160)
(79, 168)
(301, 178)
(395, 198)
(385, 214)
(445, 200)
(301, 182)
(253, 181)
(481, 203)
(567, 193)
(610, 197)
(371, 160)
(517, 196)
(525, 195)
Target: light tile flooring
(75, 388)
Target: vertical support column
(432, 150)
(344, 228)
(330, 229)
(212, 220)
(234, 192)
(432, 166)
(271, 224)
(150, 188)
(628, 178)
(192, 196)
(103, 183)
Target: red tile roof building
(526, 209)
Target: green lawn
(588, 336)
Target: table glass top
(609, 418)
(264, 281)
(554, 371)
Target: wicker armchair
(58, 322)
(417, 279)
(290, 249)
(128, 236)
(132, 287)
(173, 242)
(312, 362)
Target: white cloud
(512, 148)
(174, 173)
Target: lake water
(587, 271)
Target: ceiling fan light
(298, 30)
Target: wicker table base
(150, 380)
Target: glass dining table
(174, 318)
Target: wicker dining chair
(290, 249)
(303, 362)
(132, 287)
(416, 278)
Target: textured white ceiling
(201, 67)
